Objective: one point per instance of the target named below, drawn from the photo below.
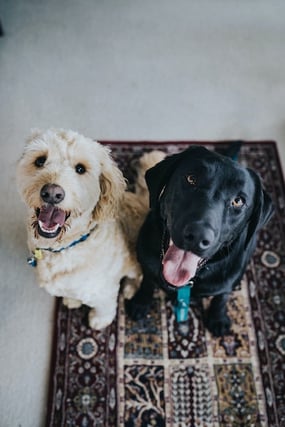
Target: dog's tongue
(51, 215)
(179, 266)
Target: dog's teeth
(48, 230)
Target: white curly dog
(82, 223)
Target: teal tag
(182, 304)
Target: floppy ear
(263, 208)
(158, 176)
(112, 186)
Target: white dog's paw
(72, 303)
(97, 321)
(130, 287)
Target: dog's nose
(52, 193)
(200, 237)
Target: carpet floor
(157, 372)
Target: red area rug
(156, 372)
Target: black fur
(194, 200)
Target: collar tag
(38, 254)
(183, 302)
(32, 261)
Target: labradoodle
(82, 223)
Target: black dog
(205, 212)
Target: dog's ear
(263, 208)
(112, 187)
(158, 176)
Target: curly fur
(94, 202)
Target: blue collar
(37, 253)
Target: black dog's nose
(199, 237)
(52, 193)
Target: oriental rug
(156, 372)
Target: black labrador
(205, 212)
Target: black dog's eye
(40, 161)
(191, 179)
(238, 202)
(80, 169)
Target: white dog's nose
(52, 193)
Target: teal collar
(37, 253)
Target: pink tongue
(179, 266)
(51, 215)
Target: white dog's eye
(40, 161)
(80, 168)
(238, 202)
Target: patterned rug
(156, 372)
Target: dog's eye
(40, 161)
(191, 179)
(238, 202)
(80, 168)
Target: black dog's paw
(219, 326)
(135, 310)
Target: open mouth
(50, 220)
(180, 266)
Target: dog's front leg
(138, 307)
(102, 316)
(217, 319)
